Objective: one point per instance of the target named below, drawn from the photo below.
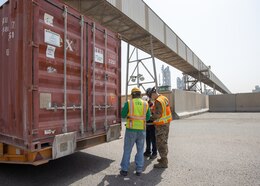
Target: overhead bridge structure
(138, 25)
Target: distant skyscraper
(257, 89)
(180, 83)
(166, 76)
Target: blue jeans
(132, 137)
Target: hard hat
(135, 90)
(149, 91)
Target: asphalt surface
(207, 149)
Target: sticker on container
(51, 38)
(50, 51)
(48, 19)
(99, 56)
(45, 99)
(49, 131)
(51, 70)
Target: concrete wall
(188, 103)
(222, 103)
(243, 102)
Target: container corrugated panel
(37, 74)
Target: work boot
(159, 160)
(153, 156)
(123, 173)
(138, 173)
(163, 163)
(160, 165)
(147, 154)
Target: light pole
(138, 78)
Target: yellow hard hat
(135, 89)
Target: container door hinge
(35, 132)
(33, 44)
(33, 88)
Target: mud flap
(63, 145)
(113, 133)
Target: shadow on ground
(151, 178)
(63, 171)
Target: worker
(161, 119)
(150, 133)
(137, 113)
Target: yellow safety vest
(136, 117)
(166, 116)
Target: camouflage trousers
(162, 132)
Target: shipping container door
(104, 85)
(57, 70)
(13, 71)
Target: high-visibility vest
(166, 116)
(136, 117)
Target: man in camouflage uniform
(161, 118)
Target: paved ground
(207, 149)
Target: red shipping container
(59, 82)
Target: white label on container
(50, 51)
(45, 99)
(99, 56)
(51, 38)
(49, 131)
(48, 19)
(17, 151)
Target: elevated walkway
(137, 24)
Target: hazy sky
(224, 34)
(2, 1)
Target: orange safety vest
(166, 116)
(136, 117)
